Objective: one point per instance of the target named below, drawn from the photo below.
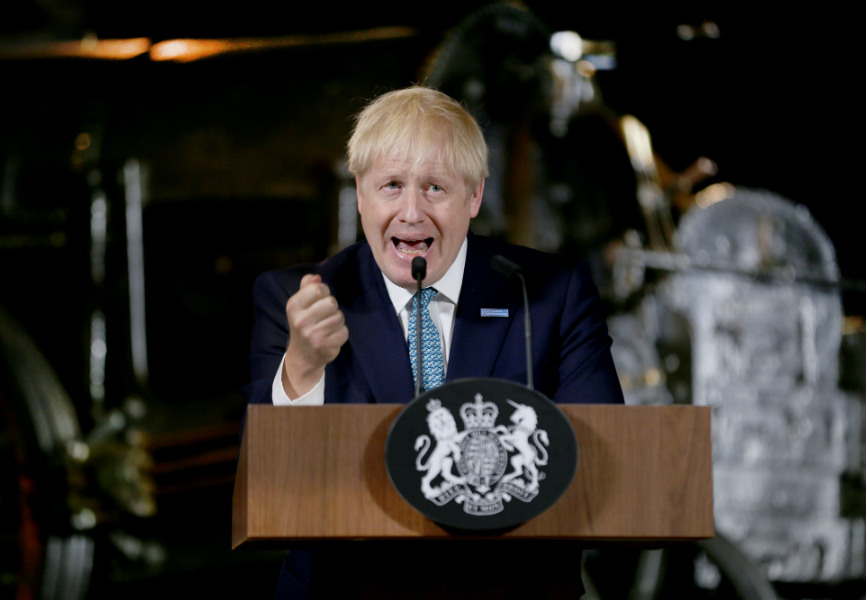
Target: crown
(479, 415)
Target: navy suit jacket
(571, 346)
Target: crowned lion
(440, 461)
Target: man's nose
(412, 208)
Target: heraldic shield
(481, 454)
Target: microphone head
(419, 268)
(505, 266)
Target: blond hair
(413, 124)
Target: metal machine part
(39, 433)
(752, 302)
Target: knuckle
(340, 317)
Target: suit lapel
(477, 340)
(375, 334)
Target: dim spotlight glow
(88, 47)
(187, 50)
(117, 49)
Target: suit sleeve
(586, 370)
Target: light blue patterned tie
(433, 366)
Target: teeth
(412, 247)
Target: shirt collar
(448, 286)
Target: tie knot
(426, 296)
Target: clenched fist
(317, 331)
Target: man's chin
(402, 276)
(399, 269)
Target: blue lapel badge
(494, 312)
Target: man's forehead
(404, 164)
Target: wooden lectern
(314, 475)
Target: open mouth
(412, 247)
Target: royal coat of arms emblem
(513, 456)
(487, 463)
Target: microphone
(511, 269)
(505, 266)
(419, 272)
(419, 269)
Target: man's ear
(475, 200)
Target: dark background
(243, 152)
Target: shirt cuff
(315, 397)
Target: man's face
(410, 210)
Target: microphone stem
(527, 332)
(419, 373)
(419, 272)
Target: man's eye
(391, 185)
(435, 188)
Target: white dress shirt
(442, 310)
